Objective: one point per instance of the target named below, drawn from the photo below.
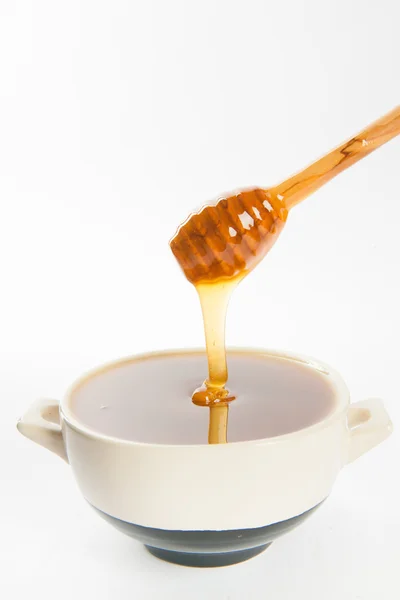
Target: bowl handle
(368, 425)
(41, 424)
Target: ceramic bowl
(200, 504)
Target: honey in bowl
(134, 400)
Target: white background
(118, 118)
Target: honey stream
(214, 299)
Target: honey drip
(214, 299)
(219, 245)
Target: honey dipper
(230, 237)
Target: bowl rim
(342, 397)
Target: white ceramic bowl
(169, 496)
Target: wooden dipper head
(230, 237)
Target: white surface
(117, 119)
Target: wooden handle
(300, 186)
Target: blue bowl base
(211, 559)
